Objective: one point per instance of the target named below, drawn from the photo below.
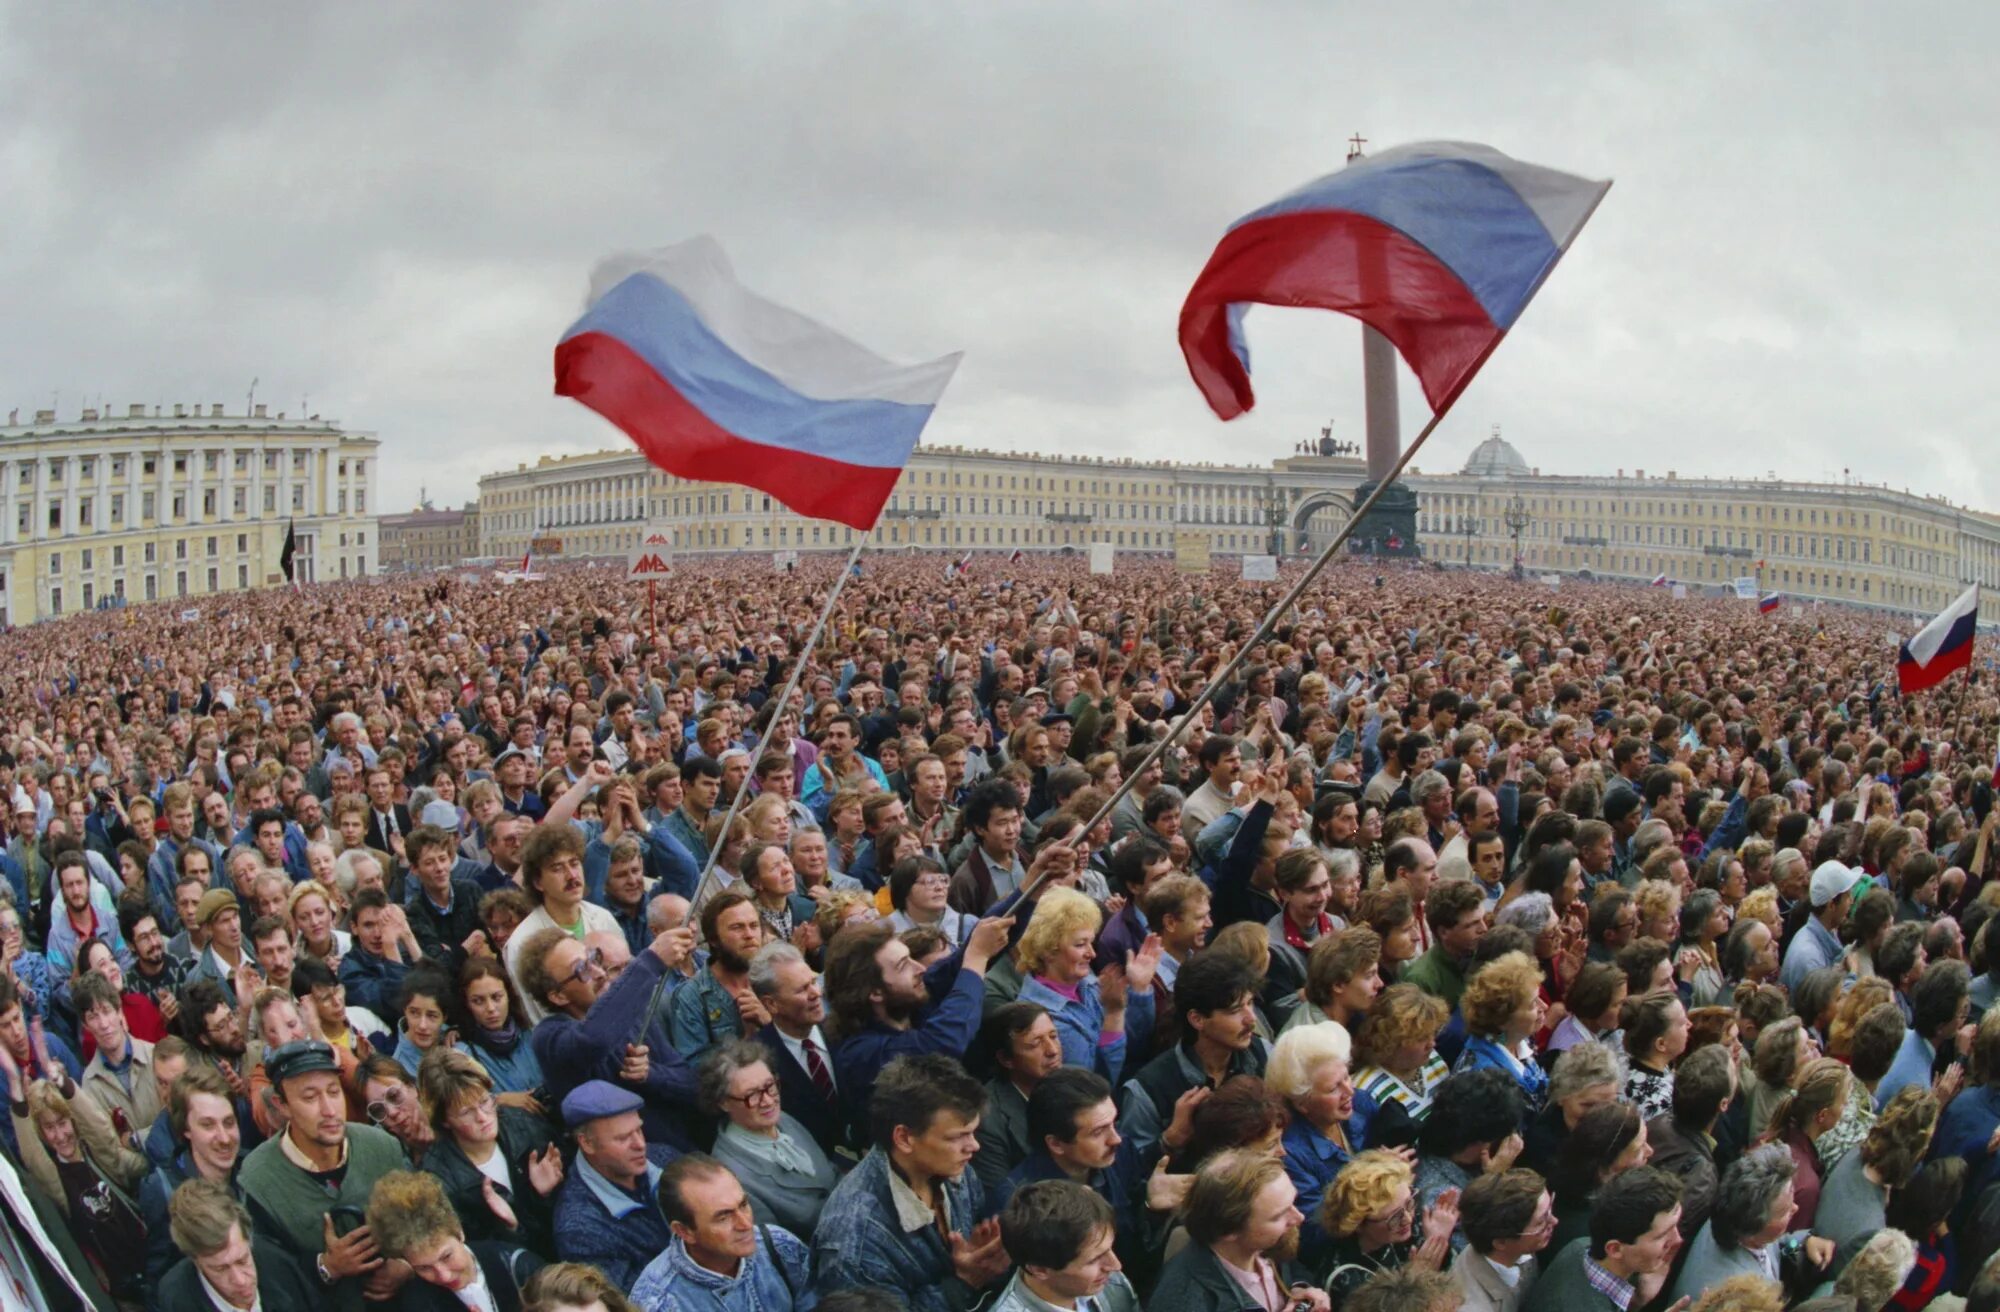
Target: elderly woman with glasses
(782, 1170)
(1371, 1211)
(412, 1221)
(484, 1148)
(917, 890)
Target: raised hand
(545, 1172)
(751, 1010)
(1143, 965)
(980, 1260)
(1181, 1128)
(1166, 1192)
(673, 946)
(636, 1066)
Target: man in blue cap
(608, 1211)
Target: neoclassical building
(137, 506)
(1849, 543)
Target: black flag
(285, 556)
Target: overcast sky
(388, 213)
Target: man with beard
(609, 1032)
(718, 1003)
(155, 973)
(1244, 1235)
(320, 1164)
(212, 1027)
(907, 1219)
(86, 913)
(886, 1005)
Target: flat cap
(595, 1099)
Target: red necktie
(816, 1067)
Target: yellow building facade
(110, 508)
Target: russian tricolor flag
(1770, 603)
(1659, 581)
(1942, 647)
(1438, 245)
(715, 383)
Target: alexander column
(1391, 527)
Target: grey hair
(1785, 860)
(1748, 1189)
(1582, 1066)
(764, 966)
(1878, 1269)
(1649, 835)
(1531, 911)
(421, 798)
(345, 718)
(720, 1067)
(1341, 862)
(1428, 785)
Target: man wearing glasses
(598, 1030)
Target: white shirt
(495, 1169)
(594, 917)
(476, 1295)
(798, 1050)
(221, 1304)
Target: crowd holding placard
(1477, 946)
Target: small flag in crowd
(288, 554)
(1942, 647)
(1659, 581)
(1770, 603)
(1438, 245)
(712, 381)
(1016, 556)
(527, 557)
(958, 568)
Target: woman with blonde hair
(1395, 1053)
(1091, 1012)
(1503, 1010)
(1862, 997)
(1371, 1212)
(72, 1151)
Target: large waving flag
(1438, 245)
(714, 382)
(1942, 647)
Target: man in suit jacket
(1508, 1217)
(790, 991)
(230, 1266)
(387, 819)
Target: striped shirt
(1385, 1088)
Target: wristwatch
(319, 1266)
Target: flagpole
(763, 743)
(1263, 631)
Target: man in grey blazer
(1508, 1217)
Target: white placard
(191, 614)
(1102, 555)
(654, 562)
(1746, 588)
(1552, 580)
(1680, 592)
(1260, 569)
(784, 560)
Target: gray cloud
(393, 211)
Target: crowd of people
(1477, 946)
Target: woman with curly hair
(1853, 1199)
(1371, 1212)
(1091, 1013)
(1503, 1010)
(1395, 1053)
(1862, 997)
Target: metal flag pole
(784, 698)
(1285, 603)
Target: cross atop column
(1354, 145)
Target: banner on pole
(1191, 553)
(1260, 569)
(1552, 580)
(1746, 588)
(784, 560)
(1680, 592)
(1102, 556)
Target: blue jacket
(1812, 947)
(371, 982)
(1312, 1160)
(572, 1051)
(950, 1026)
(861, 1243)
(1913, 1064)
(598, 1223)
(1080, 1024)
(161, 873)
(675, 1282)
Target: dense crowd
(1478, 946)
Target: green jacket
(288, 1206)
(1437, 974)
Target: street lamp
(1469, 526)
(1518, 519)
(1274, 520)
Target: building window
(118, 557)
(298, 498)
(118, 471)
(89, 560)
(55, 601)
(117, 508)
(55, 562)
(180, 506)
(83, 512)
(56, 470)
(239, 500)
(180, 583)
(180, 549)
(55, 516)
(211, 546)
(152, 588)
(211, 579)
(242, 542)
(152, 552)
(208, 504)
(270, 499)
(242, 576)
(21, 527)
(181, 464)
(360, 500)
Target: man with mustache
(1244, 1230)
